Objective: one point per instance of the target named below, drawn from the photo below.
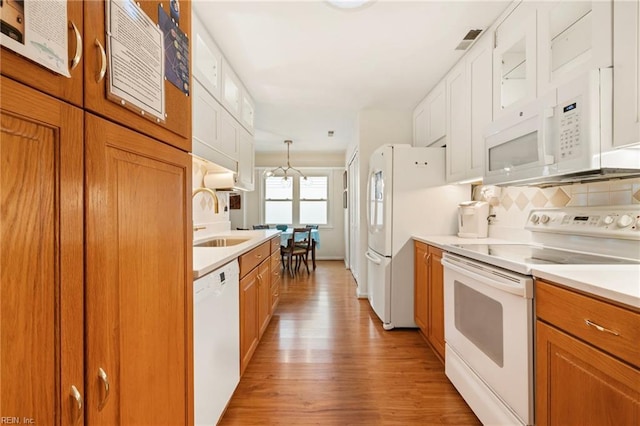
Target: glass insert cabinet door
(376, 201)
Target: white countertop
(207, 259)
(441, 240)
(619, 283)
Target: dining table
(285, 236)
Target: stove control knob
(608, 220)
(535, 218)
(544, 218)
(624, 221)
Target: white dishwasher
(216, 341)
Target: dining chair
(311, 226)
(260, 226)
(299, 252)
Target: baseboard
(329, 258)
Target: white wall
(375, 128)
(331, 238)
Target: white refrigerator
(406, 196)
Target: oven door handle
(495, 283)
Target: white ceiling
(311, 67)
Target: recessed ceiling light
(330, 133)
(350, 4)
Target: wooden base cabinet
(429, 295)
(585, 376)
(249, 328)
(256, 297)
(139, 296)
(41, 257)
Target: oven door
(489, 336)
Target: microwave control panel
(569, 130)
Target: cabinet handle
(103, 61)
(105, 382)
(75, 394)
(76, 58)
(259, 256)
(600, 328)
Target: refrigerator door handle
(371, 257)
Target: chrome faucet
(210, 192)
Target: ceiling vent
(468, 39)
(330, 133)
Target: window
(278, 200)
(313, 200)
(296, 200)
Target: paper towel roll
(218, 180)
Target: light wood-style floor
(325, 360)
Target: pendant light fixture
(285, 171)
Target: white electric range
(489, 294)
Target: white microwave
(562, 137)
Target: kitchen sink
(222, 242)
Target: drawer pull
(600, 328)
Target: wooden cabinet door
(436, 300)
(41, 258)
(38, 77)
(421, 296)
(249, 328)
(458, 124)
(139, 287)
(264, 295)
(276, 267)
(576, 384)
(176, 130)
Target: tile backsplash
(512, 204)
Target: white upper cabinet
(573, 37)
(420, 124)
(458, 123)
(229, 135)
(231, 89)
(479, 71)
(207, 59)
(514, 60)
(436, 108)
(209, 142)
(626, 73)
(245, 178)
(469, 101)
(429, 119)
(247, 111)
